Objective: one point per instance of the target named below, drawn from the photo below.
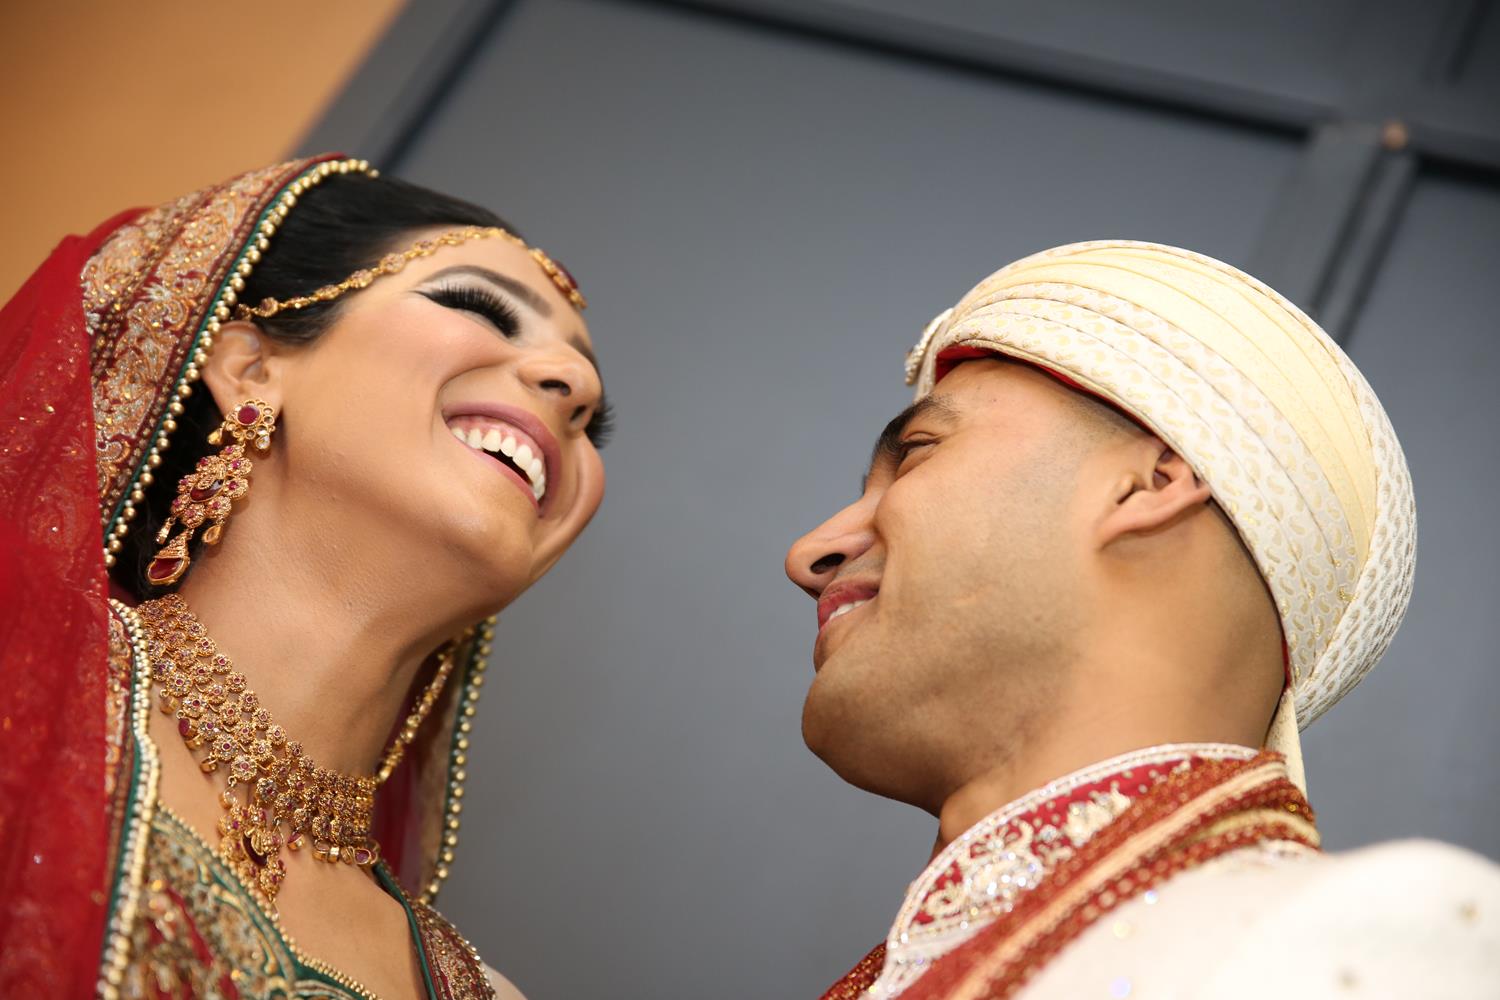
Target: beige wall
(106, 104)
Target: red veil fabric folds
(82, 396)
(54, 825)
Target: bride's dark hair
(346, 223)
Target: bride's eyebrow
(517, 288)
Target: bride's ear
(1151, 496)
(243, 364)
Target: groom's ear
(1156, 488)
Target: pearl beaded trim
(218, 314)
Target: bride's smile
(494, 430)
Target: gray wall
(763, 218)
(1413, 750)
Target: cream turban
(1263, 405)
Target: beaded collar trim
(982, 874)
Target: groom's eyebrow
(888, 445)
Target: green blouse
(200, 932)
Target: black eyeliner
(480, 301)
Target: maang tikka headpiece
(391, 263)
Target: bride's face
(449, 412)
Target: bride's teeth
(496, 440)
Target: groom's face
(946, 592)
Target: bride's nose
(562, 376)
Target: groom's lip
(839, 594)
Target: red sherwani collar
(982, 874)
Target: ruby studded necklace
(275, 795)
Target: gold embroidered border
(137, 825)
(1172, 836)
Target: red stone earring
(206, 493)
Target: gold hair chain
(391, 263)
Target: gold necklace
(283, 789)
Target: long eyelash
(602, 424)
(481, 302)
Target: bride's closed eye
(481, 302)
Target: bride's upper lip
(526, 421)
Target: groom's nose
(815, 558)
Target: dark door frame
(1323, 240)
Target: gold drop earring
(207, 493)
